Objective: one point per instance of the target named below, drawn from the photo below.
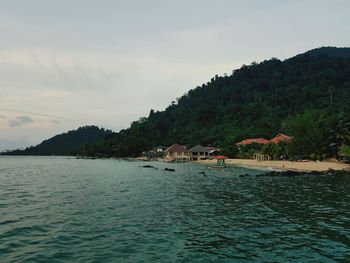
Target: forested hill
(254, 101)
(329, 51)
(69, 143)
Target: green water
(55, 209)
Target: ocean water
(57, 209)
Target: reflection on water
(68, 210)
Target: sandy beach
(285, 165)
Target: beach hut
(198, 153)
(220, 160)
(178, 153)
(212, 150)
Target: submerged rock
(169, 169)
(147, 166)
(329, 172)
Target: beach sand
(285, 165)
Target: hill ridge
(254, 101)
(67, 143)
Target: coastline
(307, 166)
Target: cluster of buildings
(277, 139)
(181, 153)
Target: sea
(63, 209)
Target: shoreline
(307, 166)
(269, 166)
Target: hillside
(330, 51)
(69, 143)
(254, 101)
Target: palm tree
(338, 128)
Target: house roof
(177, 148)
(198, 148)
(281, 138)
(212, 148)
(253, 140)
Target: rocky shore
(301, 173)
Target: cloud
(52, 117)
(112, 62)
(20, 120)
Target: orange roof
(220, 157)
(254, 140)
(281, 138)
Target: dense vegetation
(298, 96)
(70, 143)
(317, 135)
(307, 97)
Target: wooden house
(177, 152)
(198, 153)
(213, 151)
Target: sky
(68, 63)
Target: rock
(330, 172)
(147, 166)
(169, 169)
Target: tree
(338, 127)
(255, 101)
(344, 150)
(310, 137)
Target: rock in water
(147, 166)
(329, 172)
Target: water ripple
(66, 210)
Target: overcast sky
(68, 63)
